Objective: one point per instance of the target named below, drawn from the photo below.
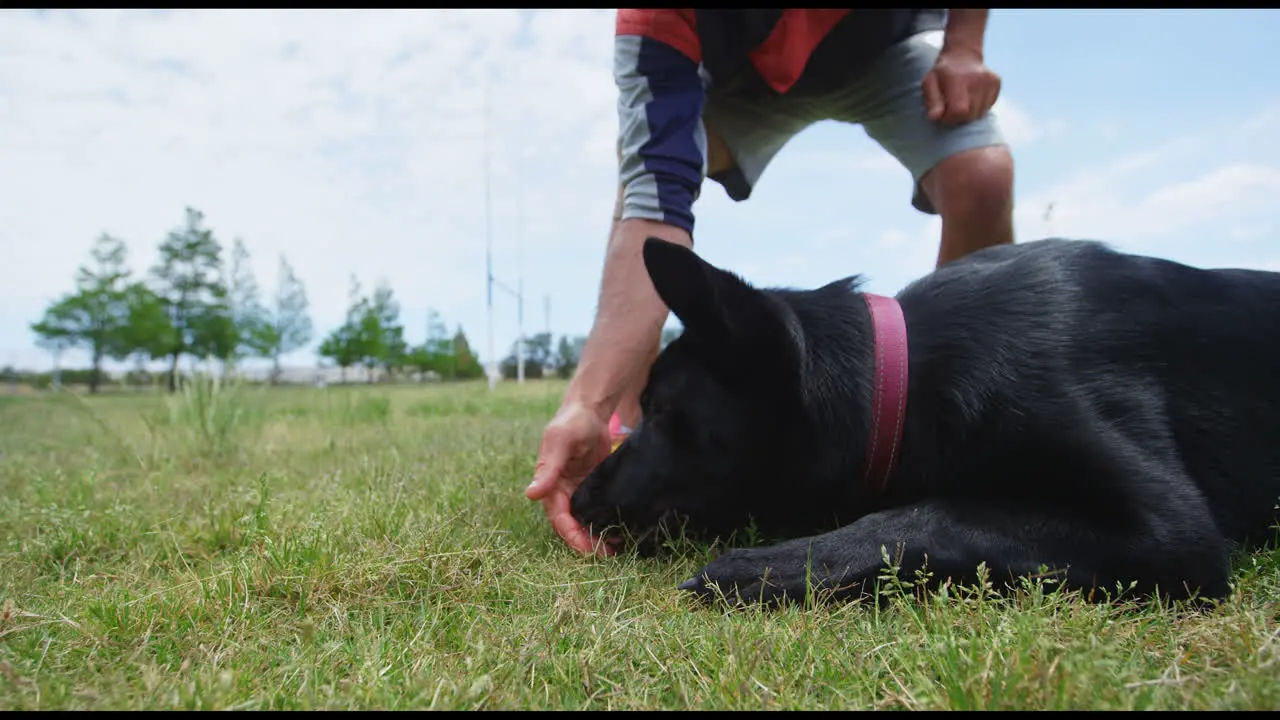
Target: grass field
(372, 548)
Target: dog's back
(1160, 351)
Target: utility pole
(426, 347)
(57, 368)
(520, 330)
(488, 242)
(518, 293)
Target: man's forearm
(966, 29)
(629, 319)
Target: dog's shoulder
(1006, 267)
(1007, 287)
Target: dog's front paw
(749, 576)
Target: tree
(467, 364)
(56, 344)
(381, 337)
(343, 344)
(537, 357)
(188, 280)
(66, 324)
(214, 333)
(148, 333)
(419, 359)
(340, 348)
(436, 352)
(287, 326)
(437, 331)
(568, 354)
(248, 318)
(538, 351)
(94, 316)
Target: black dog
(1111, 417)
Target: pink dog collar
(889, 397)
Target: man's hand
(575, 441)
(619, 350)
(959, 88)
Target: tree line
(195, 302)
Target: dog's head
(720, 402)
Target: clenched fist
(960, 88)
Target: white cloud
(1196, 199)
(1018, 127)
(1188, 199)
(1147, 202)
(349, 141)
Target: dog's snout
(591, 498)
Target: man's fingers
(959, 102)
(981, 97)
(547, 471)
(985, 107)
(567, 527)
(933, 100)
(993, 94)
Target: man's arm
(628, 325)
(966, 30)
(960, 88)
(661, 166)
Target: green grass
(372, 548)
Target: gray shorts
(887, 102)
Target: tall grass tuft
(346, 409)
(210, 410)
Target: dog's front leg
(845, 562)
(951, 540)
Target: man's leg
(973, 192)
(963, 173)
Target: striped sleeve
(661, 140)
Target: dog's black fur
(1113, 417)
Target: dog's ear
(687, 284)
(711, 303)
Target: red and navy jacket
(667, 60)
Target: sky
(352, 142)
